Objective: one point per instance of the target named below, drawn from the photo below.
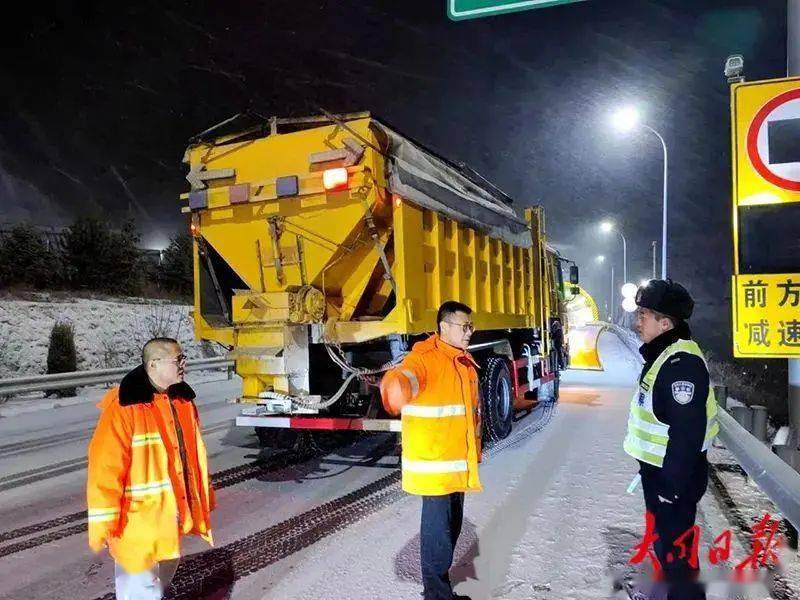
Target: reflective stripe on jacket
(138, 501)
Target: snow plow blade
(583, 352)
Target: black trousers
(561, 362)
(671, 522)
(440, 527)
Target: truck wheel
(498, 399)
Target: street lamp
(600, 259)
(629, 290)
(608, 227)
(625, 120)
(629, 297)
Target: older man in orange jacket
(435, 389)
(148, 481)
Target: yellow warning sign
(765, 127)
(766, 316)
(765, 135)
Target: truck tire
(498, 399)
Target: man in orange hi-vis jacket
(148, 479)
(435, 390)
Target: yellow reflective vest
(647, 437)
(440, 412)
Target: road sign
(766, 315)
(472, 9)
(765, 125)
(766, 145)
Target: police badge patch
(683, 391)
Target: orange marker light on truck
(334, 179)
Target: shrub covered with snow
(61, 355)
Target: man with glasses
(671, 425)
(148, 482)
(435, 390)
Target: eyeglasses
(178, 360)
(467, 327)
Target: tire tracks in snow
(68, 466)
(220, 480)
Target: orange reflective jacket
(140, 500)
(435, 389)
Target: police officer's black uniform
(557, 337)
(671, 492)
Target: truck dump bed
(339, 230)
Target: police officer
(671, 425)
(557, 337)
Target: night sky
(98, 101)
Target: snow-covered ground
(746, 505)
(108, 333)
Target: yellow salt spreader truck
(323, 247)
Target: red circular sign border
(752, 141)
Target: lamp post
(655, 245)
(600, 260)
(625, 120)
(609, 226)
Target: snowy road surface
(553, 522)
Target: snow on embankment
(108, 333)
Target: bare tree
(161, 320)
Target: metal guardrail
(779, 481)
(626, 336)
(40, 383)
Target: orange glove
(396, 391)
